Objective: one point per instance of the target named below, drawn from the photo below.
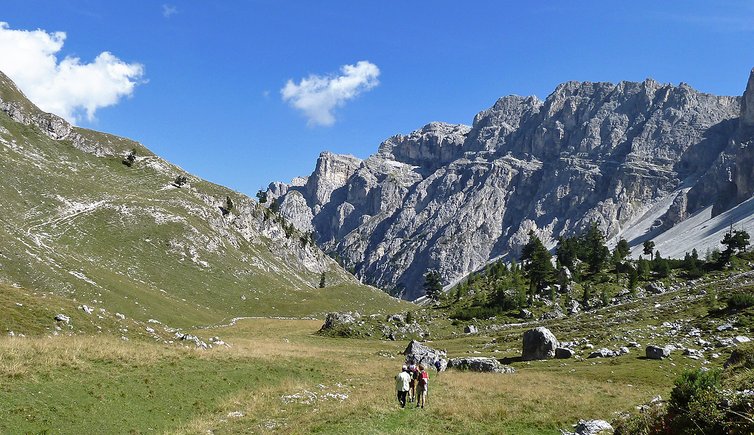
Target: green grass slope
(78, 223)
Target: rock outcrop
(480, 364)
(453, 197)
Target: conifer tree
(597, 252)
(649, 247)
(432, 285)
(537, 263)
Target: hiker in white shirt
(402, 381)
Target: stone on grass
(602, 353)
(539, 343)
(657, 352)
(480, 364)
(592, 427)
(419, 353)
(62, 318)
(470, 329)
(563, 353)
(334, 320)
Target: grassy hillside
(278, 375)
(79, 223)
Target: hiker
(438, 365)
(422, 386)
(413, 371)
(402, 380)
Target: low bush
(741, 300)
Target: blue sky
(209, 74)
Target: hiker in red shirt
(421, 387)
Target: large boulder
(539, 343)
(480, 364)
(419, 353)
(335, 320)
(657, 352)
(563, 353)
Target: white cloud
(317, 96)
(68, 88)
(169, 10)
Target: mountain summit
(635, 158)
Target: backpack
(423, 378)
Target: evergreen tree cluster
(501, 287)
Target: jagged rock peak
(747, 105)
(331, 173)
(433, 145)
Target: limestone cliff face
(453, 197)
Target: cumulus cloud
(169, 10)
(68, 87)
(317, 96)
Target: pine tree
(734, 241)
(433, 285)
(660, 266)
(262, 196)
(633, 279)
(621, 250)
(643, 268)
(649, 247)
(597, 252)
(322, 280)
(567, 252)
(537, 263)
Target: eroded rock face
(453, 197)
(539, 343)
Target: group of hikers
(411, 384)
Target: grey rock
(656, 287)
(657, 352)
(556, 313)
(603, 353)
(480, 364)
(725, 327)
(573, 307)
(87, 309)
(563, 353)
(538, 343)
(419, 353)
(63, 318)
(692, 353)
(591, 427)
(739, 339)
(335, 320)
(470, 329)
(525, 314)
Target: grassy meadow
(279, 376)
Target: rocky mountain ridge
(452, 197)
(81, 221)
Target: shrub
(695, 403)
(741, 300)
